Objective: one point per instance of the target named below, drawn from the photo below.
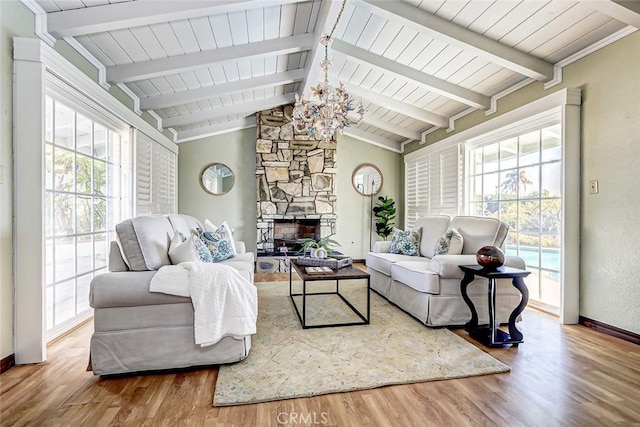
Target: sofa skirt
(448, 310)
(379, 282)
(150, 349)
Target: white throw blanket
(224, 302)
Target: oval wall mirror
(367, 179)
(217, 178)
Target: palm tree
(513, 179)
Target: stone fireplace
(286, 233)
(295, 182)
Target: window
(432, 184)
(87, 192)
(155, 177)
(541, 138)
(519, 180)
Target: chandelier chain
(344, 3)
(333, 30)
(327, 111)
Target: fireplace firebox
(287, 232)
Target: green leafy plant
(385, 212)
(327, 243)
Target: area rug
(287, 361)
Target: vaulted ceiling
(205, 67)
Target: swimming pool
(550, 257)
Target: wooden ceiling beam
(624, 11)
(217, 129)
(246, 108)
(215, 91)
(398, 106)
(463, 38)
(116, 16)
(431, 83)
(203, 59)
(372, 139)
(390, 127)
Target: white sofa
(137, 330)
(428, 286)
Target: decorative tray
(334, 263)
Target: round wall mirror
(367, 179)
(217, 179)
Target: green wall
(610, 133)
(238, 207)
(237, 150)
(354, 210)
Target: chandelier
(327, 113)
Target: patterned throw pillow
(201, 249)
(405, 242)
(223, 231)
(219, 245)
(450, 243)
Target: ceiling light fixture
(327, 113)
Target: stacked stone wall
(295, 175)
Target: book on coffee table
(318, 270)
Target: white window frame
(538, 122)
(567, 101)
(36, 67)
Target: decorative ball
(490, 257)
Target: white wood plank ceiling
(205, 67)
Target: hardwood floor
(560, 376)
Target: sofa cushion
(382, 261)
(145, 241)
(243, 263)
(185, 224)
(405, 242)
(432, 228)
(417, 275)
(480, 231)
(450, 243)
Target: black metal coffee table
(345, 273)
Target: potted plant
(320, 248)
(385, 213)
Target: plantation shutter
(143, 174)
(417, 190)
(432, 184)
(444, 179)
(155, 177)
(164, 183)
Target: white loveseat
(428, 286)
(137, 330)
